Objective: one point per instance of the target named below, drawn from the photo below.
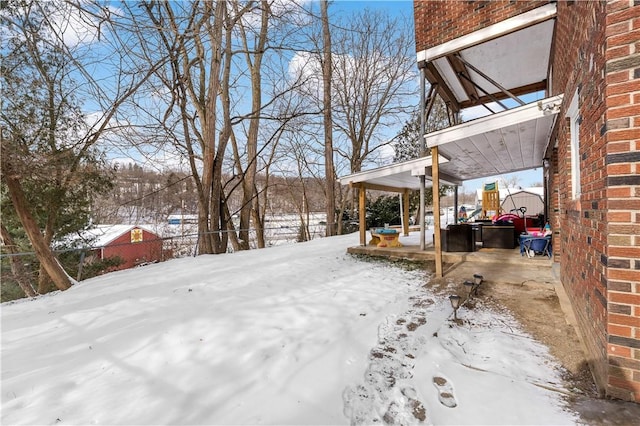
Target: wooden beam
(446, 94)
(489, 79)
(465, 77)
(458, 67)
(431, 100)
(523, 90)
(436, 212)
(376, 187)
(446, 178)
(362, 215)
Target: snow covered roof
(180, 216)
(102, 235)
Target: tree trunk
(254, 63)
(43, 252)
(45, 284)
(328, 124)
(17, 268)
(209, 130)
(231, 234)
(222, 215)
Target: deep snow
(294, 334)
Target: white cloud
(63, 22)
(292, 10)
(305, 67)
(387, 153)
(73, 26)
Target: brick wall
(597, 236)
(578, 65)
(600, 231)
(622, 162)
(439, 21)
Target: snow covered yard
(294, 334)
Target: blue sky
(394, 7)
(404, 8)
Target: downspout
(423, 151)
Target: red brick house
(561, 82)
(134, 244)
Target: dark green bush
(385, 209)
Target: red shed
(134, 244)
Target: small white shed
(530, 198)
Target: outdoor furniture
(383, 237)
(458, 238)
(498, 236)
(476, 228)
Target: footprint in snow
(445, 392)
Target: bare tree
(49, 147)
(374, 83)
(191, 38)
(253, 55)
(373, 89)
(374, 86)
(267, 35)
(302, 163)
(327, 74)
(216, 103)
(512, 181)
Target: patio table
(385, 238)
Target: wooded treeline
(143, 196)
(241, 94)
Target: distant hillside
(147, 196)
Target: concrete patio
(411, 250)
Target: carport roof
(505, 142)
(514, 54)
(397, 177)
(503, 60)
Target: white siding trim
(499, 29)
(573, 114)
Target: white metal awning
(513, 53)
(505, 142)
(399, 176)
